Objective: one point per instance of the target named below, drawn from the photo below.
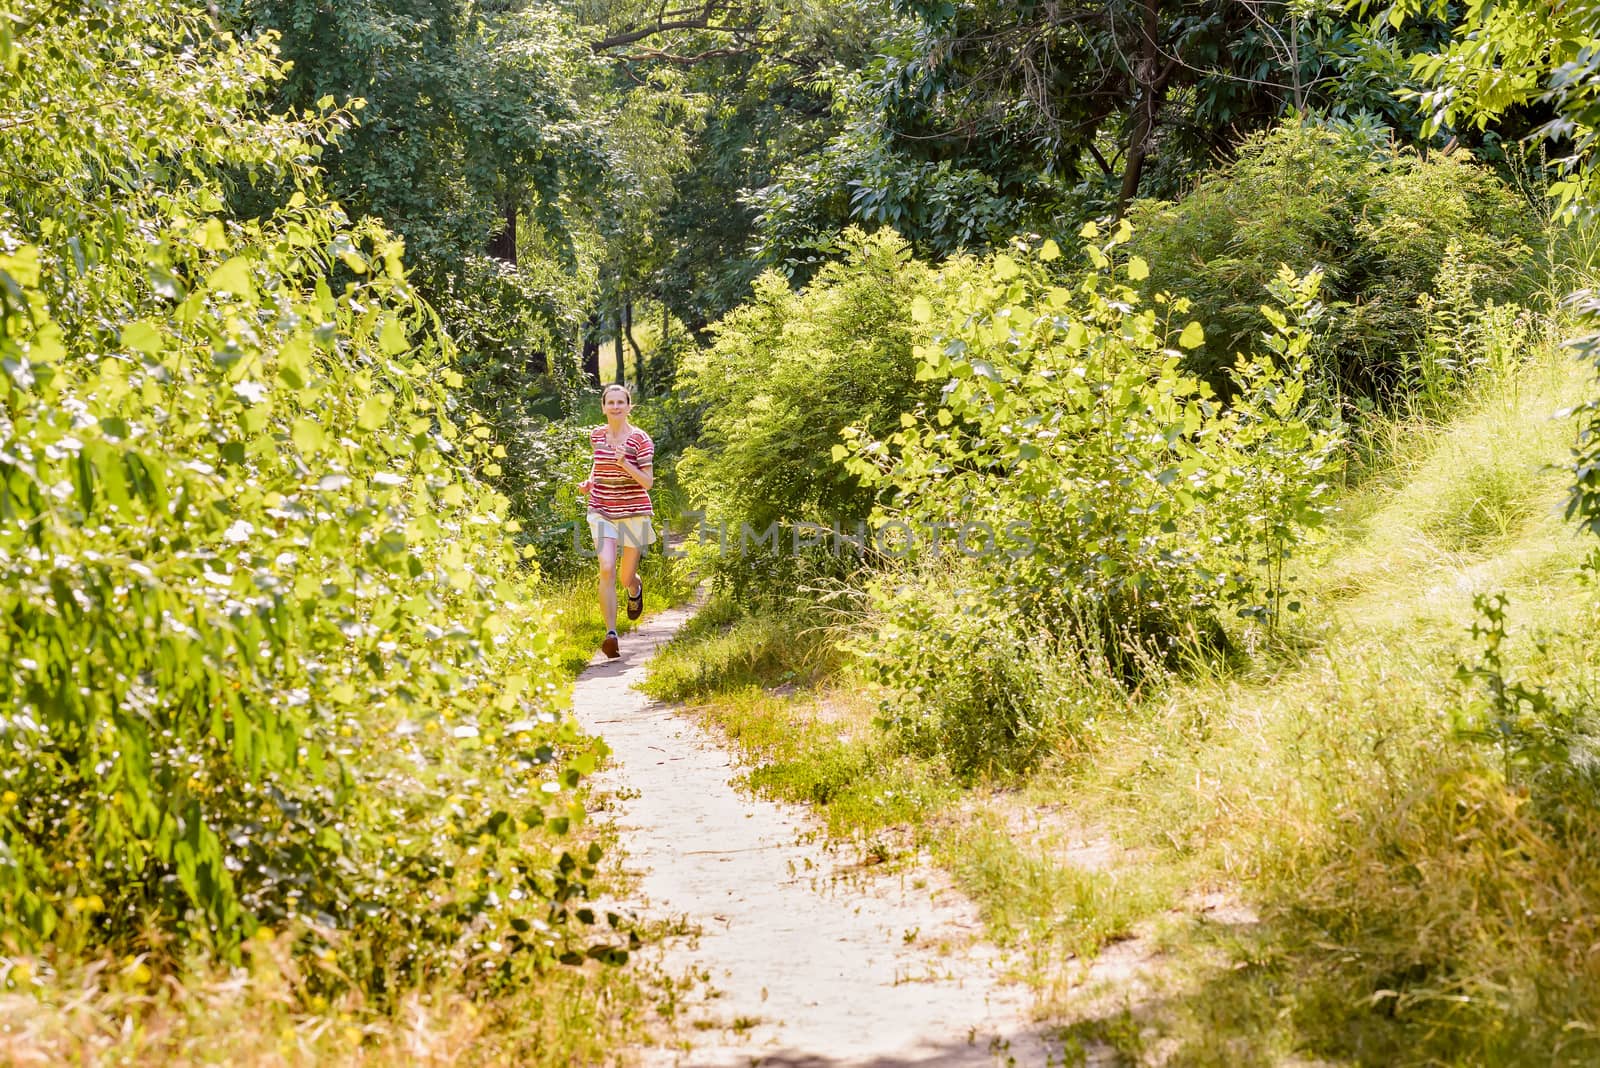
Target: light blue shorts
(634, 530)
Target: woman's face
(616, 403)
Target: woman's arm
(644, 450)
(642, 475)
(587, 484)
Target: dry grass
(114, 1012)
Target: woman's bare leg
(630, 568)
(608, 580)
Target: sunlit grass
(110, 1012)
(1328, 784)
(1034, 900)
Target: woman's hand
(584, 487)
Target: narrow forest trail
(806, 959)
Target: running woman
(618, 488)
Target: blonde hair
(626, 392)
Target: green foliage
(468, 110)
(269, 658)
(789, 370)
(1096, 478)
(1519, 54)
(479, 144)
(1545, 745)
(975, 120)
(978, 685)
(865, 179)
(1381, 225)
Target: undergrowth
(1403, 900)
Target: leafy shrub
(268, 657)
(1099, 481)
(784, 374)
(788, 371)
(1377, 222)
(1111, 504)
(973, 682)
(1546, 745)
(1463, 340)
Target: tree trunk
(622, 367)
(638, 357)
(591, 353)
(1152, 80)
(503, 245)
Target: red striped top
(615, 495)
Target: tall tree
(980, 118)
(474, 118)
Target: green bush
(269, 659)
(787, 372)
(1376, 221)
(1093, 478)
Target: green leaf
(232, 277)
(1193, 335)
(308, 437)
(142, 336)
(921, 309)
(1138, 269)
(22, 265)
(393, 338)
(374, 411)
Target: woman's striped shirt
(614, 494)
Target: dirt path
(807, 960)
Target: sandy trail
(810, 961)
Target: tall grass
(1417, 906)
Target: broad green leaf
(22, 265)
(232, 277)
(142, 336)
(308, 437)
(393, 337)
(374, 411)
(1193, 335)
(212, 236)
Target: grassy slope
(1412, 908)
